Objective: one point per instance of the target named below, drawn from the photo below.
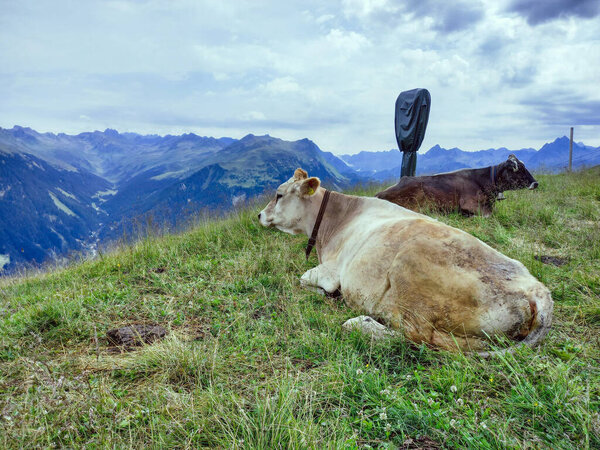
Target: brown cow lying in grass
(468, 190)
(436, 284)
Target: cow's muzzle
(533, 185)
(262, 219)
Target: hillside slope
(45, 211)
(254, 361)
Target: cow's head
(512, 174)
(292, 205)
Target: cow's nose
(259, 216)
(533, 185)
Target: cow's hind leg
(452, 342)
(323, 279)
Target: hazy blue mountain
(116, 156)
(552, 157)
(79, 173)
(372, 162)
(163, 179)
(246, 168)
(45, 211)
(256, 161)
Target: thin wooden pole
(571, 151)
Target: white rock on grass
(369, 326)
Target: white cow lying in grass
(434, 283)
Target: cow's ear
(300, 174)
(309, 186)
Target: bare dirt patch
(131, 336)
(554, 260)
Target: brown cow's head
(512, 174)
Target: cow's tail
(541, 320)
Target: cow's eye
(278, 197)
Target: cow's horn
(515, 161)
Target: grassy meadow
(253, 361)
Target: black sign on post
(412, 114)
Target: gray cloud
(564, 109)
(446, 17)
(492, 45)
(456, 17)
(520, 78)
(537, 12)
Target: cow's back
(418, 193)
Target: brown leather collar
(313, 237)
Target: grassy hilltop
(254, 361)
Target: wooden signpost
(571, 151)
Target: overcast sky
(501, 73)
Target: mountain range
(63, 195)
(551, 157)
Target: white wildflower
(430, 401)
(383, 416)
(359, 372)
(452, 423)
(453, 388)
(460, 402)
(388, 427)
(483, 425)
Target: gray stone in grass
(369, 326)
